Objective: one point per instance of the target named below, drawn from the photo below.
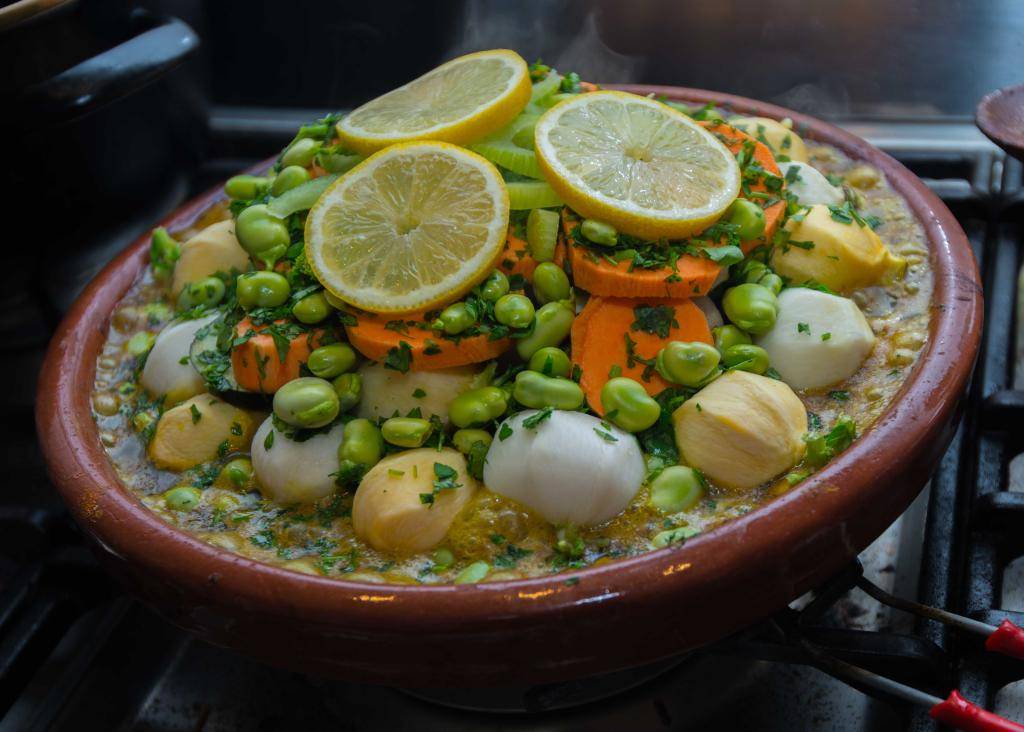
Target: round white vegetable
(386, 391)
(818, 339)
(809, 186)
(295, 472)
(164, 372)
(564, 469)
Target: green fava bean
(552, 325)
(550, 283)
(289, 178)
(262, 234)
(455, 319)
(688, 364)
(537, 391)
(465, 439)
(672, 536)
(443, 559)
(164, 251)
(182, 498)
(475, 572)
(349, 388)
(312, 309)
(676, 488)
(747, 217)
(746, 357)
(551, 361)
(262, 290)
(599, 232)
(751, 307)
(406, 431)
(515, 311)
(208, 292)
(773, 282)
(330, 361)
(237, 474)
(477, 406)
(494, 286)
(301, 152)
(245, 187)
(308, 402)
(361, 444)
(628, 405)
(728, 335)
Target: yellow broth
(319, 538)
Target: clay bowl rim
(916, 417)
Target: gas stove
(75, 653)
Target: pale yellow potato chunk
(741, 430)
(842, 256)
(185, 437)
(777, 136)
(214, 249)
(388, 511)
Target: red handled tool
(954, 711)
(1007, 639)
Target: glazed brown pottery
(618, 615)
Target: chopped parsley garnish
(431, 348)
(419, 394)
(196, 414)
(822, 448)
(654, 319)
(633, 358)
(803, 328)
(505, 432)
(268, 442)
(445, 476)
(840, 395)
(476, 458)
(533, 420)
(399, 358)
(606, 436)
(826, 336)
(511, 556)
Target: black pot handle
(109, 76)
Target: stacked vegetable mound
(498, 273)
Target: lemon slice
(412, 226)
(638, 164)
(460, 101)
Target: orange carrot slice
(257, 363)
(516, 259)
(734, 139)
(372, 337)
(693, 276)
(604, 340)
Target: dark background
(865, 57)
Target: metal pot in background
(97, 131)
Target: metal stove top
(76, 654)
